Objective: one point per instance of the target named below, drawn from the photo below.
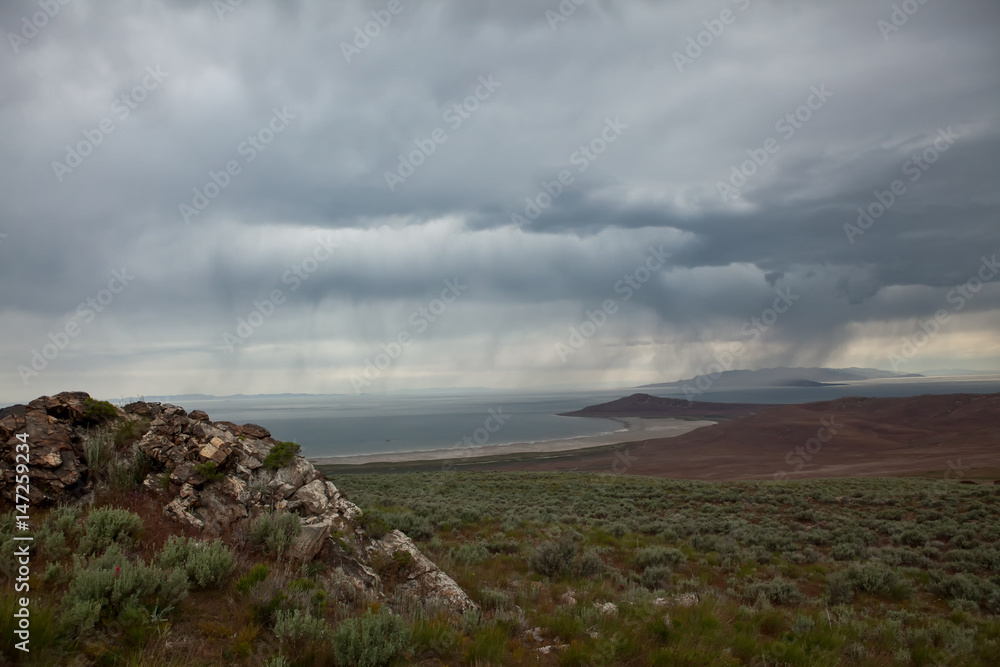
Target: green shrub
(274, 532)
(648, 556)
(129, 431)
(98, 450)
(655, 577)
(281, 455)
(209, 471)
(297, 626)
(108, 525)
(206, 564)
(106, 586)
(254, 576)
(776, 591)
(470, 554)
(98, 411)
(555, 559)
(372, 640)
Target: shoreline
(636, 428)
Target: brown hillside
(952, 433)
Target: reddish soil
(952, 435)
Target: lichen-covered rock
(180, 447)
(424, 579)
(53, 426)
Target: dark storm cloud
(683, 126)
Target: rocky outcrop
(54, 427)
(221, 501)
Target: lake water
(373, 424)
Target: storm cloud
(314, 175)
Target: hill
(785, 377)
(644, 405)
(950, 433)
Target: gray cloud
(325, 174)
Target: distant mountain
(788, 377)
(644, 405)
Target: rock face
(55, 428)
(177, 444)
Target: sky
(258, 197)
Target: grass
(569, 569)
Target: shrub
(372, 640)
(648, 556)
(98, 411)
(209, 471)
(297, 626)
(109, 586)
(274, 532)
(554, 559)
(206, 564)
(775, 591)
(470, 554)
(590, 564)
(655, 577)
(98, 450)
(913, 537)
(129, 431)
(108, 525)
(845, 551)
(281, 455)
(254, 576)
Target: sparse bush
(470, 554)
(98, 450)
(649, 556)
(776, 591)
(253, 576)
(372, 640)
(274, 532)
(206, 564)
(108, 525)
(297, 626)
(281, 455)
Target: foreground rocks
(178, 446)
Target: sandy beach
(633, 429)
